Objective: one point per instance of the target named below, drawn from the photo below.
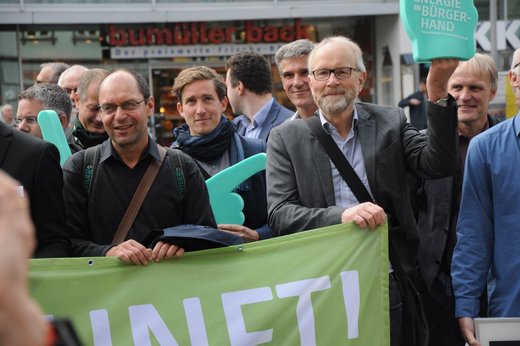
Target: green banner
(322, 287)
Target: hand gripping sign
(227, 205)
(52, 132)
(440, 28)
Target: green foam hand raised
(227, 205)
(440, 28)
(52, 132)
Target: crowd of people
(447, 192)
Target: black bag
(414, 318)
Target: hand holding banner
(270, 291)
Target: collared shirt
(351, 148)
(488, 240)
(93, 225)
(253, 129)
(463, 147)
(295, 116)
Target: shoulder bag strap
(179, 169)
(90, 164)
(339, 160)
(138, 198)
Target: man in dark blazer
(249, 85)
(305, 190)
(36, 165)
(473, 85)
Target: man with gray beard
(305, 190)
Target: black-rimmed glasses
(29, 120)
(110, 108)
(340, 73)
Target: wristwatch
(441, 102)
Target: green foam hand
(227, 205)
(440, 28)
(52, 132)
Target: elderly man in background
(51, 72)
(69, 82)
(88, 126)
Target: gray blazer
(300, 193)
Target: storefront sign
(144, 52)
(202, 39)
(507, 33)
(202, 33)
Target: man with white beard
(305, 190)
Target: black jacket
(36, 165)
(436, 210)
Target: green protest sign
(440, 28)
(322, 287)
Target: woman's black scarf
(207, 148)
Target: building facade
(160, 37)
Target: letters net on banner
(322, 287)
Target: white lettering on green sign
(446, 3)
(145, 320)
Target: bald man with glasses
(94, 213)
